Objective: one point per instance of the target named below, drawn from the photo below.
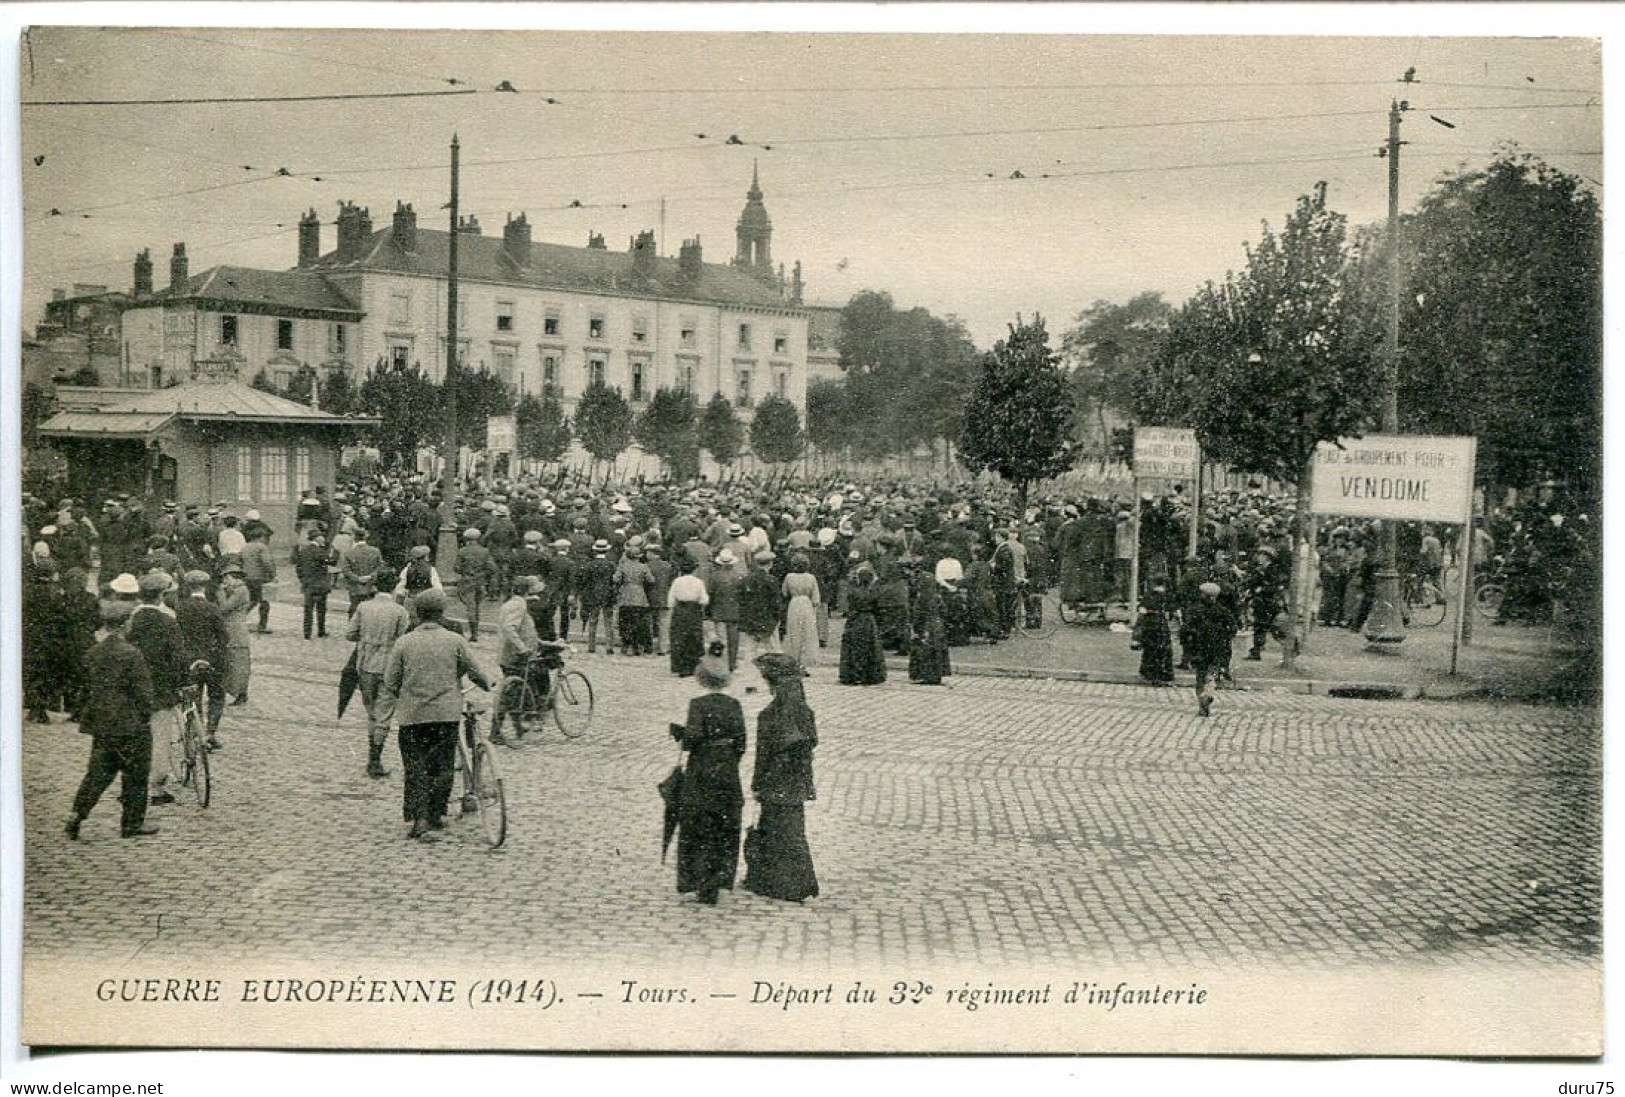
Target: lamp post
(1386, 623)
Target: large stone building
(543, 317)
(553, 318)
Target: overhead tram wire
(872, 89)
(358, 66)
(200, 100)
(207, 245)
(81, 211)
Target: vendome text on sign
(1408, 478)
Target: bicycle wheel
(572, 703)
(1049, 619)
(486, 785)
(1428, 610)
(1488, 600)
(194, 757)
(201, 786)
(520, 703)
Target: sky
(887, 160)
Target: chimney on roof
(688, 258)
(643, 252)
(405, 229)
(143, 273)
(516, 239)
(350, 235)
(310, 238)
(469, 224)
(595, 241)
(797, 286)
(177, 267)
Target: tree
(480, 395)
(407, 405)
(263, 383)
(669, 429)
(907, 373)
(720, 434)
(775, 432)
(1501, 324)
(829, 425)
(1108, 351)
(301, 386)
(543, 431)
(84, 375)
(1018, 420)
(338, 393)
(603, 422)
(1280, 358)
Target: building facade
(553, 319)
(206, 441)
(240, 320)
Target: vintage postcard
(819, 542)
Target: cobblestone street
(990, 820)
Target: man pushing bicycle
(525, 653)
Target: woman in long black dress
(862, 661)
(687, 599)
(712, 799)
(778, 861)
(928, 657)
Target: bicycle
(1489, 588)
(1048, 616)
(569, 697)
(193, 740)
(1425, 602)
(483, 792)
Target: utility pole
(446, 553)
(1386, 624)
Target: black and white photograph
(705, 540)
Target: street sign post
(1402, 478)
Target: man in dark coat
(1209, 627)
(595, 587)
(117, 716)
(153, 631)
(314, 563)
(203, 638)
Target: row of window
(267, 467)
(230, 334)
(505, 366)
(598, 328)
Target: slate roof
(270, 289)
(104, 424)
(94, 412)
(556, 266)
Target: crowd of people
(760, 570)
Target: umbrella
(349, 681)
(671, 791)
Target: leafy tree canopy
(720, 434)
(603, 422)
(1018, 420)
(775, 432)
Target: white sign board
(1168, 453)
(1405, 478)
(501, 434)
